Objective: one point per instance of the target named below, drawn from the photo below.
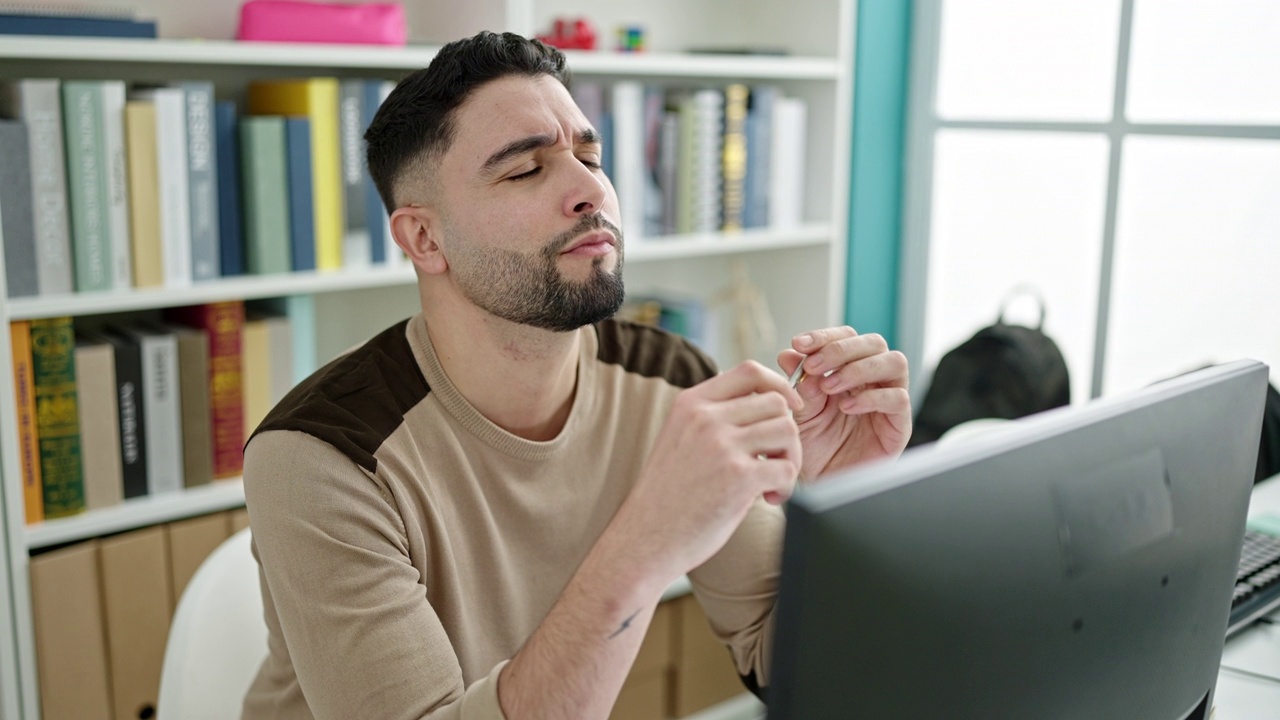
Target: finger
(887, 401)
(841, 352)
(751, 409)
(814, 340)
(772, 438)
(788, 360)
(887, 369)
(747, 378)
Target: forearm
(574, 664)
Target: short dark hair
(416, 122)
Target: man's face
(530, 221)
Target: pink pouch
(319, 22)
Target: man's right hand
(728, 441)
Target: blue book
(302, 237)
(20, 24)
(375, 213)
(230, 231)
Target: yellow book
(144, 193)
(317, 99)
(255, 351)
(28, 442)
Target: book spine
(163, 425)
(734, 155)
(87, 184)
(375, 213)
(708, 148)
(302, 235)
(28, 440)
(786, 174)
(654, 111)
(16, 225)
(266, 194)
(356, 250)
(759, 154)
(57, 418)
(628, 159)
(197, 435)
(132, 413)
(226, 387)
(144, 194)
(202, 180)
(41, 105)
(19, 24)
(99, 424)
(175, 194)
(113, 100)
(231, 238)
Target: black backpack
(1003, 371)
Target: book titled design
(202, 180)
(57, 417)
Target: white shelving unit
(799, 271)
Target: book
(356, 239)
(57, 416)
(265, 187)
(38, 104)
(734, 156)
(25, 407)
(113, 136)
(144, 193)
(202, 181)
(256, 361)
(12, 23)
(17, 226)
(297, 155)
(131, 411)
(317, 99)
(628, 155)
(174, 182)
(299, 312)
(230, 237)
(193, 383)
(70, 634)
(224, 322)
(699, 176)
(138, 609)
(87, 183)
(786, 171)
(756, 186)
(161, 395)
(375, 212)
(654, 114)
(99, 422)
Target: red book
(224, 322)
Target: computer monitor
(1074, 564)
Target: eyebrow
(586, 136)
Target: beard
(530, 289)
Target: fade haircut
(416, 124)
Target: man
(475, 514)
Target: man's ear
(416, 230)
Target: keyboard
(1257, 580)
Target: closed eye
(526, 175)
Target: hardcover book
(266, 194)
(99, 422)
(131, 411)
(202, 181)
(162, 397)
(25, 401)
(230, 238)
(87, 183)
(17, 227)
(297, 156)
(144, 193)
(53, 364)
(224, 322)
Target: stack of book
(700, 160)
(109, 187)
(74, 20)
(122, 411)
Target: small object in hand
(798, 375)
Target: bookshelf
(800, 270)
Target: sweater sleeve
(738, 585)
(350, 611)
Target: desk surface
(1249, 682)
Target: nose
(586, 190)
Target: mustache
(586, 223)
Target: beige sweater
(408, 546)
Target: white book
(175, 193)
(786, 171)
(162, 398)
(628, 155)
(113, 99)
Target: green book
(87, 177)
(53, 363)
(265, 194)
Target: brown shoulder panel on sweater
(653, 352)
(355, 402)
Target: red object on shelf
(581, 37)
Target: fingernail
(804, 340)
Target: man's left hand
(856, 406)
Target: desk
(1249, 682)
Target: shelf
(673, 247)
(247, 287)
(324, 57)
(742, 707)
(138, 512)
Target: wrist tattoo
(625, 624)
